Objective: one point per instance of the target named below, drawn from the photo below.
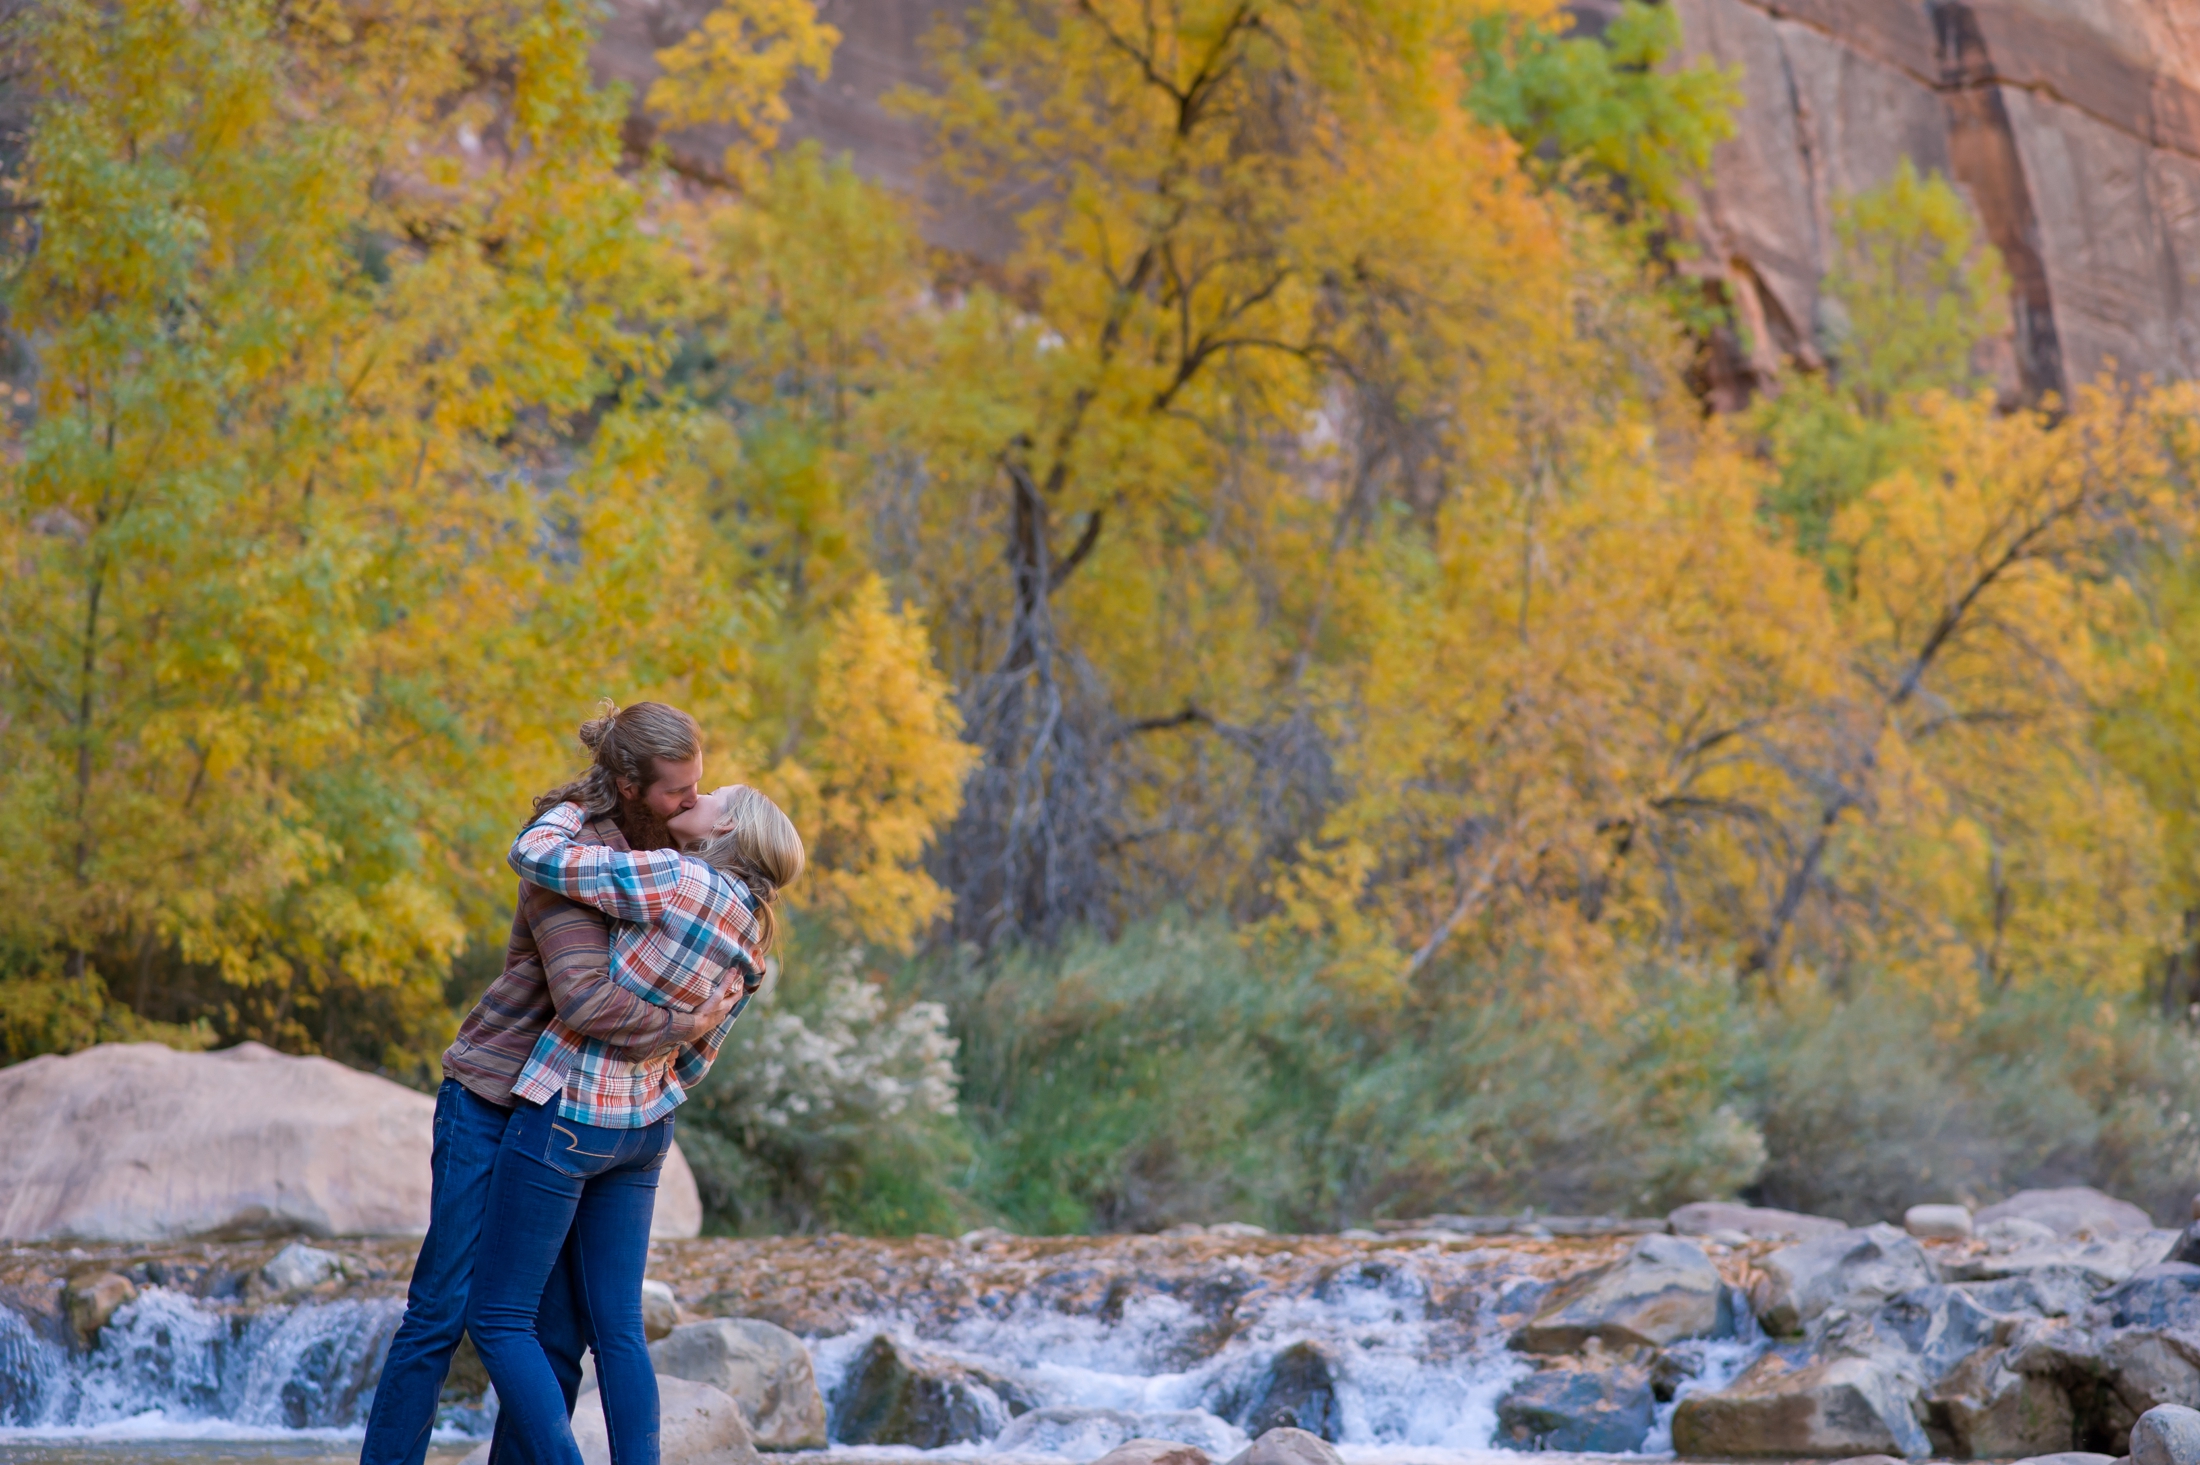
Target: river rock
(1757, 1223)
(139, 1142)
(1298, 1390)
(88, 1302)
(762, 1366)
(299, 1266)
(1938, 1223)
(1831, 1407)
(1854, 1270)
(660, 1309)
(2168, 1434)
(2165, 1295)
(1663, 1290)
(2074, 1210)
(1083, 1432)
(897, 1395)
(2068, 1457)
(1607, 1411)
(1288, 1447)
(2103, 1261)
(696, 1425)
(1154, 1452)
(1989, 1411)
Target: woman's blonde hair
(755, 842)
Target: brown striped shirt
(559, 958)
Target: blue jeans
(469, 1132)
(557, 1179)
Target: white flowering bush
(854, 1062)
(832, 1105)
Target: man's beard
(641, 826)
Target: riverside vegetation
(1299, 715)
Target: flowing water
(1109, 1336)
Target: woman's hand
(688, 1026)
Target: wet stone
(1297, 1391)
(894, 1395)
(1665, 1289)
(1607, 1411)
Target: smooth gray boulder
(898, 1395)
(1288, 1447)
(1757, 1223)
(1854, 1270)
(140, 1142)
(762, 1366)
(696, 1425)
(1828, 1407)
(1665, 1289)
(2073, 1210)
(1298, 1390)
(1606, 1411)
(2167, 1434)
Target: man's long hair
(629, 745)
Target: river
(1167, 1335)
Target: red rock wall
(2073, 126)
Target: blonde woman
(593, 1123)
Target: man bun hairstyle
(626, 745)
(755, 842)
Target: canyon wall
(2072, 125)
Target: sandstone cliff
(2073, 125)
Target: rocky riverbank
(2050, 1324)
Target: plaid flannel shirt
(557, 962)
(681, 927)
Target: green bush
(1174, 1075)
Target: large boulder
(762, 1366)
(1607, 1411)
(1663, 1290)
(1154, 1452)
(696, 1425)
(1854, 1270)
(1717, 1218)
(898, 1395)
(1833, 1408)
(2074, 1210)
(137, 1142)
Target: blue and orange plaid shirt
(680, 929)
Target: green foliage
(1868, 1108)
(1913, 293)
(1610, 104)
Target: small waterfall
(170, 1364)
(1415, 1345)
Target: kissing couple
(645, 912)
